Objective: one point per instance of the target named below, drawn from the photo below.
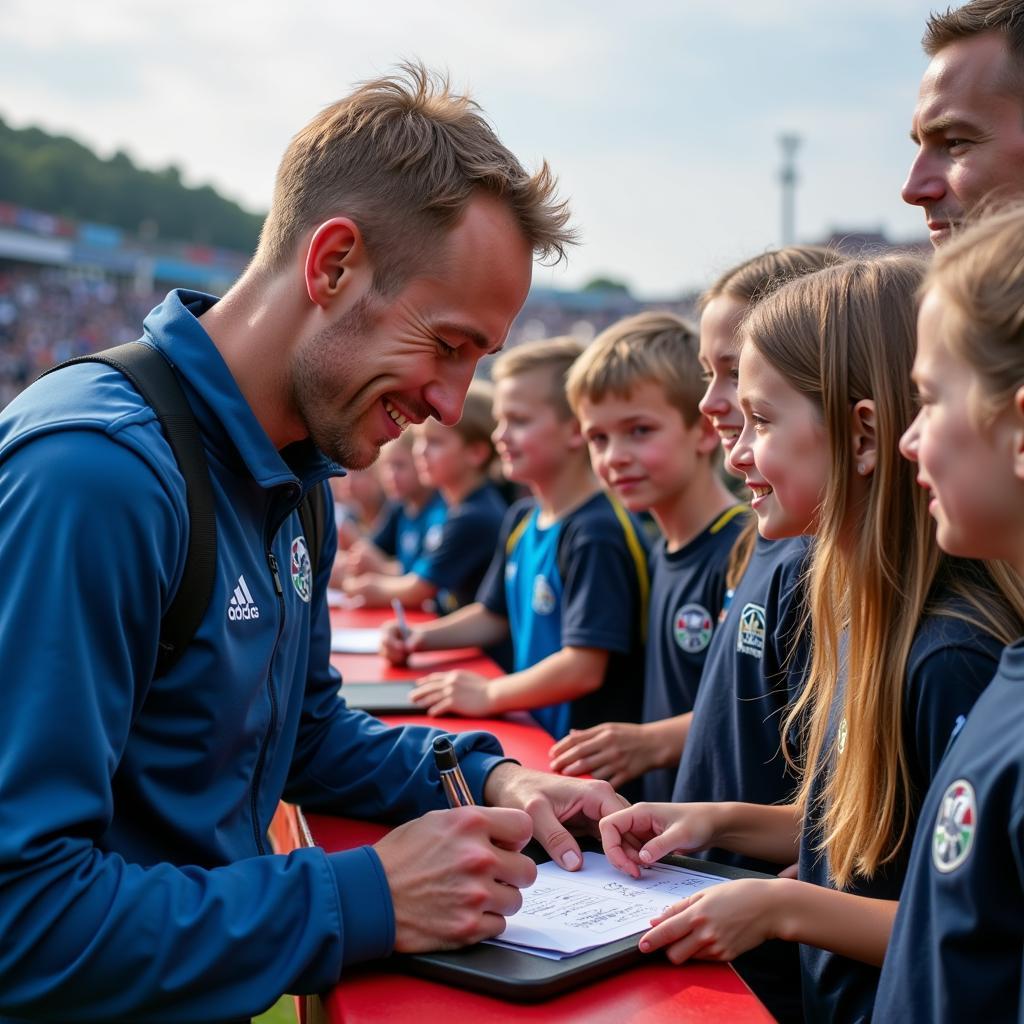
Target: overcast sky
(660, 118)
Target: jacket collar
(225, 417)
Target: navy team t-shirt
(401, 535)
(950, 664)
(958, 942)
(734, 751)
(687, 594)
(457, 551)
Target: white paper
(355, 641)
(568, 912)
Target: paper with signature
(567, 912)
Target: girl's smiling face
(783, 451)
(964, 460)
(719, 356)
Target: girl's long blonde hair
(838, 336)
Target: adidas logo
(242, 606)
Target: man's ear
(334, 254)
(864, 437)
(1018, 433)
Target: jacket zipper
(272, 727)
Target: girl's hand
(616, 751)
(644, 833)
(718, 923)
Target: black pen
(453, 782)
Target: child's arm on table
(562, 676)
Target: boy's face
(442, 458)
(532, 442)
(397, 471)
(642, 449)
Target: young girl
(955, 952)
(902, 641)
(754, 665)
(457, 551)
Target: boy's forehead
(643, 397)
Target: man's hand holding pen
(455, 875)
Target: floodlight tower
(790, 143)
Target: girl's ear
(1018, 433)
(864, 437)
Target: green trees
(58, 175)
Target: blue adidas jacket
(135, 878)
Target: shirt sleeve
(942, 688)
(491, 592)
(385, 536)
(600, 597)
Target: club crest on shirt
(432, 538)
(543, 600)
(954, 827)
(752, 629)
(301, 569)
(692, 628)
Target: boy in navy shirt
(636, 391)
(569, 577)
(413, 507)
(458, 546)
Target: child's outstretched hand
(717, 923)
(616, 751)
(459, 693)
(644, 833)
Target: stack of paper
(566, 912)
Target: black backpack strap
(155, 380)
(314, 522)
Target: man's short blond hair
(402, 156)
(552, 357)
(655, 348)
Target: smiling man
(969, 121)
(135, 797)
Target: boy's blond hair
(553, 357)
(658, 348)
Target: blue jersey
(950, 664)
(459, 544)
(580, 582)
(687, 594)
(957, 945)
(401, 535)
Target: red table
(648, 994)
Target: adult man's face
(969, 129)
(389, 361)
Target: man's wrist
(498, 778)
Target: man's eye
(446, 349)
